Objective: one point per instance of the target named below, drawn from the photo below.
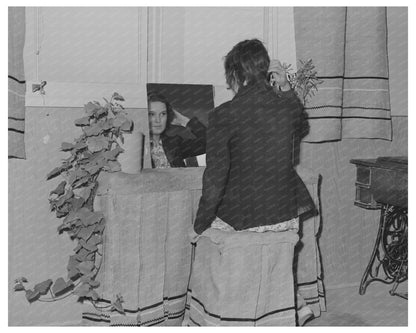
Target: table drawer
(364, 197)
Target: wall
(35, 249)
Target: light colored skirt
(292, 224)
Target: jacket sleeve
(216, 172)
(300, 117)
(197, 144)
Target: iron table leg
(389, 252)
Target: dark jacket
(182, 142)
(249, 180)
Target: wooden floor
(345, 307)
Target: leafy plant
(96, 150)
(305, 81)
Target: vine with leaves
(95, 151)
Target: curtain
(17, 83)
(348, 46)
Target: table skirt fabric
(308, 267)
(147, 259)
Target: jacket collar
(252, 88)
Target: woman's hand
(179, 119)
(279, 75)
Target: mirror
(178, 119)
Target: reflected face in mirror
(273, 79)
(158, 116)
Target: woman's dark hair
(153, 96)
(247, 61)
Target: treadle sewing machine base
(382, 183)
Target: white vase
(131, 159)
